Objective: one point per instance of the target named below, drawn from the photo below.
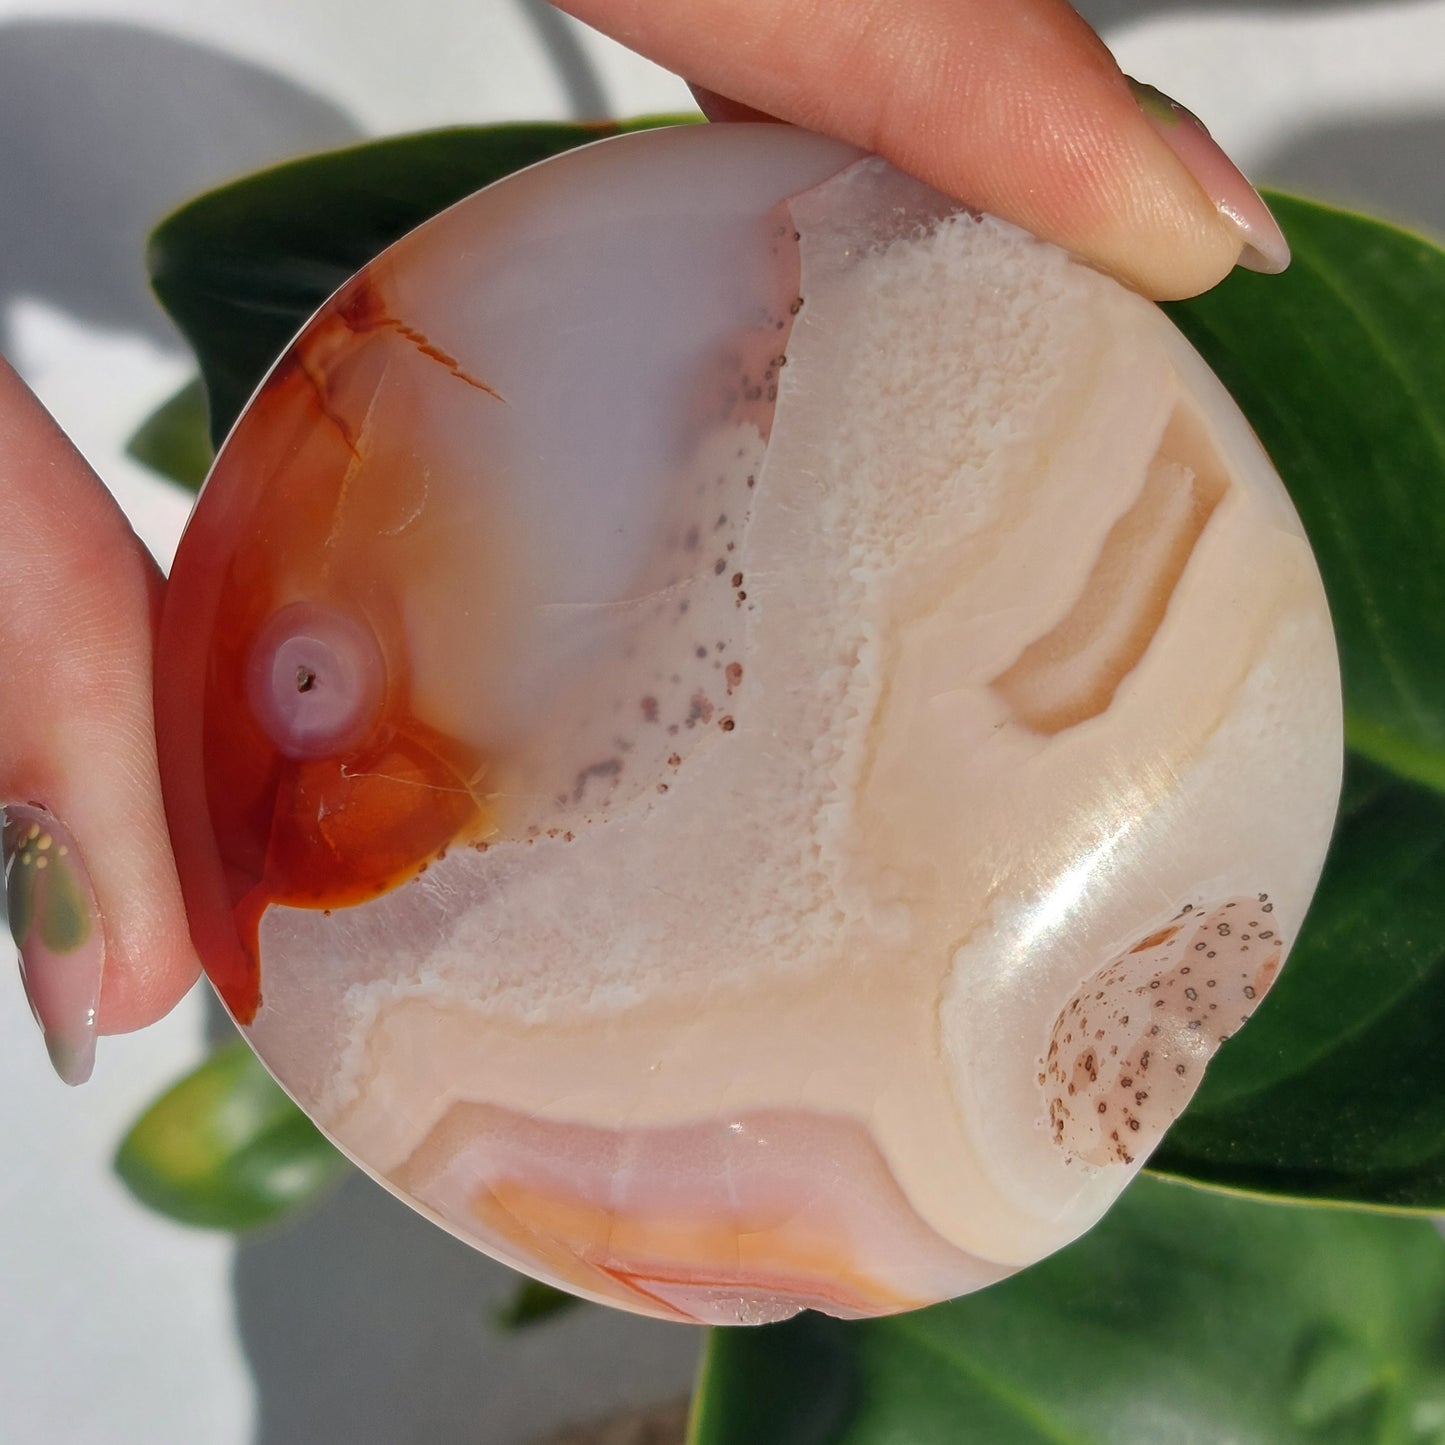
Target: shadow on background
(106, 128)
(557, 36)
(364, 1323)
(1393, 168)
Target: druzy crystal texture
(739, 734)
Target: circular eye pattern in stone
(738, 733)
(315, 681)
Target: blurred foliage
(226, 1148)
(532, 1301)
(174, 440)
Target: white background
(360, 1323)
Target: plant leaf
(225, 1148)
(175, 439)
(533, 1301)
(1336, 1090)
(1186, 1316)
(1339, 366)
(241, 269)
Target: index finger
(1013, 106)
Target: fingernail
(56, 926)
(1241, 206)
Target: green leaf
(1339, 364)
(240, 269)
(1336, 1090)
(175, 439)
(1186, 1317)
(533, 1301)
(225, 1148)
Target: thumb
(91, 889)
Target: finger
(1013, 106)
(91, 885)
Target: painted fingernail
(1241, 206)
(56, 926)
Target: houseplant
(1186, 1314)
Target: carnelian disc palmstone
(739, 735)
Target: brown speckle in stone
(727, 724)
(603, 771)
(1115, 1063)
(649, 709)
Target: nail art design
(1241, 206)
(56, 926)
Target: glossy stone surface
(739, 736)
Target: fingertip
(151, 963)
(92, 893)
(1018, 109)
(1240, 208)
